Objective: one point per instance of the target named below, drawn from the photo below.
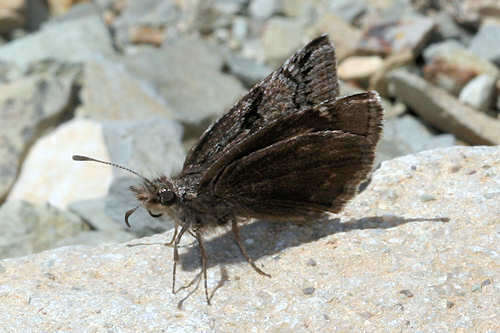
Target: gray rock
(194, 87)
(230, 7)
(37, 12)
(382, 244)
(281, 37)
(455, 54)
(349, 10)
(480, 92)
(151, 147)
(28, 106)
(74, 41)
(156, 13)
(247, 70)
(443, 111)
(486, 43)
(264, 9)
(448, 29)
(28, 228)
(406, 135)
(406, 33)
(95, 238)
(239, 28)
(77, 11)
(109, 91)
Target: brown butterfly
(288, 151)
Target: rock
(447, 28)
(230, 7)
(297, 8)
(146, 13)
(239, 28)
(29, 105)
(281, 37)
(50, 175)
(77, 11)
(11, 15)
(379, 81)
(109, 91)
(195, 89)
(95, 238)
(37, 13)
(443, 111)
(82, 40)
(407, 33)
(58, 7)
(486, 43)
(406, 135)
(28, 228)
(264, 9)
(377, 255)
(359, 67)
(151, 146)
(479, 92)
(454, 55)
(247, 70)
(344, 36)
(348, 10)
(147, 35)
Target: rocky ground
(137, 82)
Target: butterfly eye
(166, 197)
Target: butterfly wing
(307, 78)
(318, 169)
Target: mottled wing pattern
(306, 79)
(317, 170)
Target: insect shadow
(263, 238)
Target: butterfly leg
(176, 255)
(173, 237)
(203, 263)
(236, 233)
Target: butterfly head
(157, 196)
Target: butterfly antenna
(86, 158)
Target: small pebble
(427, 197)
(311, 262)
(406, 292)
(308, 290)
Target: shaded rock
(480, 92)
(82, 40)
(28, 228)
(194, 87)
(281, 37)
(486, 43)
(36, 12)
(28, 107)
(230, 7)
(408, 33)
(127, 288)
(359, 68)
(247, 70)
(443, 111)
(406, 135)
(239, 28)
(109, 91)
(50, 175)
(11, 15)
(344, 36)
(297, 8)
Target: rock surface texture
(417, 250)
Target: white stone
(49, 172)
(479, 92)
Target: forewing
(359, 114)
(306, 79)
(299, 176)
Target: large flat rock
(389, 261)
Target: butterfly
(290, 150)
